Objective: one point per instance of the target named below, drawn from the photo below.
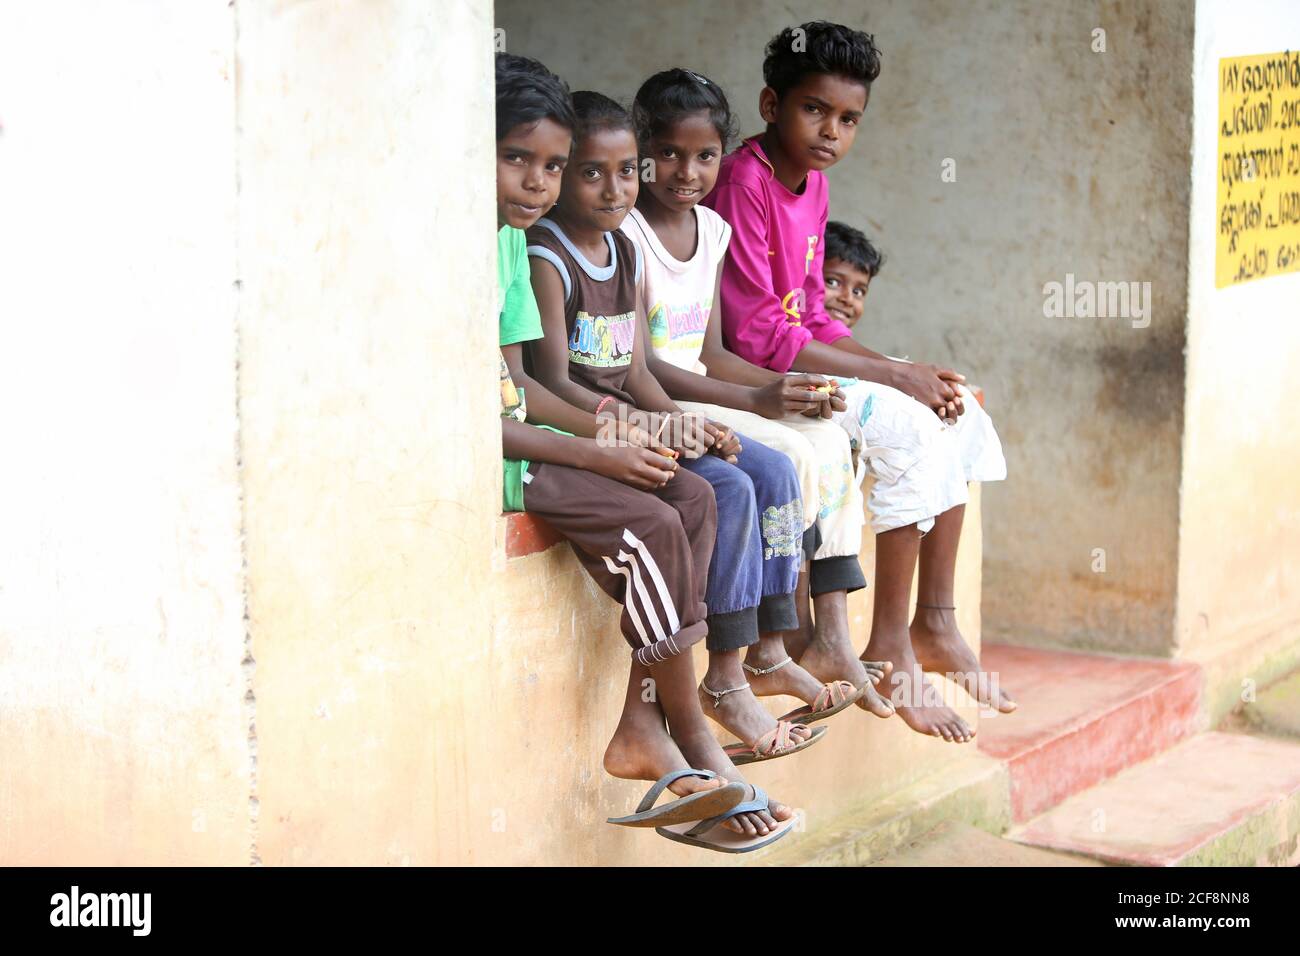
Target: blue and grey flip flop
(723, 840)
(692, 807)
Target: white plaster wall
(121, 733)
(1068, 161)
(372, 447)
(1239, 578)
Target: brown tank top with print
(599, 306)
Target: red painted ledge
(526, 534)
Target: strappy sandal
(693, 806)
(830, 700)
(722, 840)
(777, 742)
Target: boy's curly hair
(527, 93)
(850, 245)
(820, 47)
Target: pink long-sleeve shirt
(773, 295)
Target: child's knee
(693, 499)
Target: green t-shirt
(520, 322)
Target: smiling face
(817, 119)
(846, 290)
(530, 161)
(686, 157)
(600, 182)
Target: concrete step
(1082, 718)
(960, 844)
(1276, 709)
(972, 789)
(1214, 800)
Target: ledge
(526, 534)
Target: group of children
(682, 400)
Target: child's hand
(838, 402)
(686, 433)
(725, 443)
(791, 394)
(615, 432)
(834, 400)
(934, 390)
(639, 467)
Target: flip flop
(723, 840)
(830, 700)
(777, 742)
(693, 806)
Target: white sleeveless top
(679, 295)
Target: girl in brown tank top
(589, 288)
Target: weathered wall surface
(1239, 553)
(122, 732)
(367, 245)
(1068, 161)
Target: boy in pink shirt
(913, 428)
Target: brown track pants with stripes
(649, 551)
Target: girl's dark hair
(527, 93)
(596, 111)
(849, 245)
(668, 97)
(820, 47)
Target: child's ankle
(724, 671)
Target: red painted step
(1214, 800)
(1082, 718)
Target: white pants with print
(920, 464)
(832, 493)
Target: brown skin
(530, 163)
(686, 157)
(812, 127)
(846, 290)
(686, 160)
(598, 187)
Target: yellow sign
(1259, 168)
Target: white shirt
(679, 295)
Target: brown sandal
(830, 700)
(777, 742)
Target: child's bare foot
(740, 712)
(830, 657)
(871, 699)
(702, 751)
(941, 649)
(774, 678)
(642, 750)
(915, 699)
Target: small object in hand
(825, 389)
(668, 453)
